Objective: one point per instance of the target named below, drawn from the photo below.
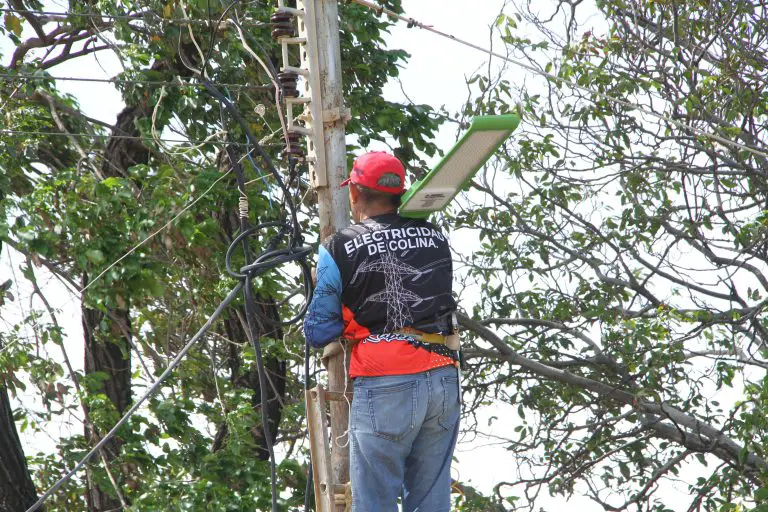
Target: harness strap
(426, 337)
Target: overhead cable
(151, 391)
(4, 131)
(272, 257)
(179, 83)
(698, 131)
(142, 16)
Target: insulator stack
(302, 88)
(294, 148)
(284, 30)
(282, 25)
(288, 82)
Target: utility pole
(333, 202)
(324, 119)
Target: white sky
(434, 75)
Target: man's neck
(375, 211)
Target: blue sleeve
(324, 321)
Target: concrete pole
(332, 199)
(333, 202)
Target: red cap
(369, 168)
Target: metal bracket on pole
(329, 495)
(312, 116)
(337, 114)
(318, 168)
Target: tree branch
(701, 435)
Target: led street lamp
(441, 184)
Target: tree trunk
(108, 337)
(107, 350)
(17, 492)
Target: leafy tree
(622, 246)
(82, 193)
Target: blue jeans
(402, 432)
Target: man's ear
(354, 194)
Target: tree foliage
(82, 193)
(622, 237)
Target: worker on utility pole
(385, 284)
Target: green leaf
(624, 470)
(13, 24)
(95, 256)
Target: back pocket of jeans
(451, 403)
(393, 410)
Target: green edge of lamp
(458, 166)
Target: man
(385, 283)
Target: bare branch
(700, 435)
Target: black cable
(212, 36)
(251, 140)
(267, 260)
(250, 315)
(297, 238)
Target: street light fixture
(460, 164)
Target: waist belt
(451, 341)
(426, 337)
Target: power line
(143, 16)
(126, 137)
(151, 236)
(151, 391)
(415, 23)
(30, 76)
(268, 260)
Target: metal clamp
(336, 114)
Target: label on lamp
(431, 199)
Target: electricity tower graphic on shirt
(399, 300)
